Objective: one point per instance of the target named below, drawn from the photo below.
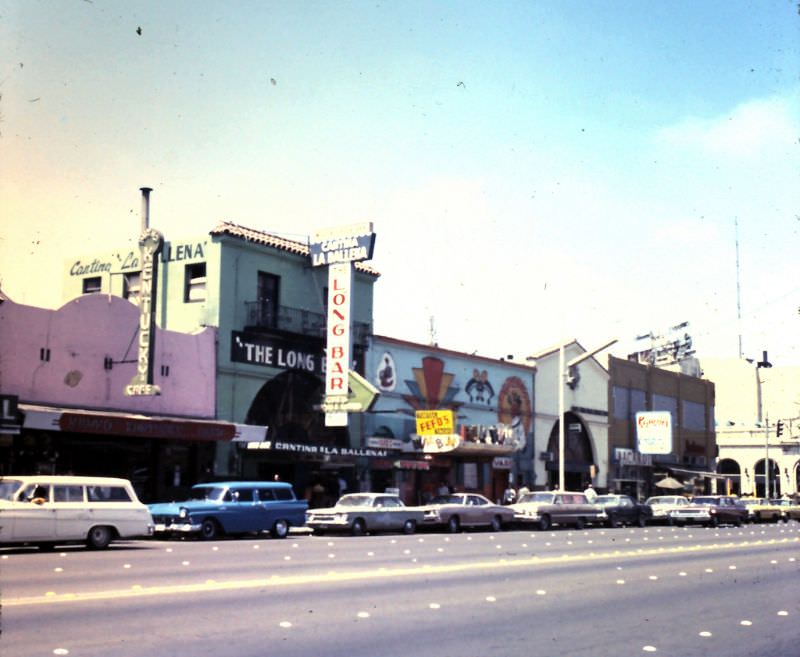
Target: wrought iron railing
(264, 315)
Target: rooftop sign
(351, 243)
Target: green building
(269, 306)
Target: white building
(750, 402)
(585, 420)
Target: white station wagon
(49, 510)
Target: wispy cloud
(750, 130)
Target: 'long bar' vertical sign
(338, 249)
(340, 280)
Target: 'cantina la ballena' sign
(142, 384)
(340, 245)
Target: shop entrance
(578, 454)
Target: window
(694, 416)
(268, 287)
(132, 287)
(283, 494)
(91, 285)
(194, 288)
(108, 494)
(243, 495)
(34, 492)
(628, 402)
(265, 495)
(67, 493)
(665, 403)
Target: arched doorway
(732, 484)
(578, 454)
(796, 478)
(285, 404)
(774, 479)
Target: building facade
(490, 444)
(67, 370)
(268, 307)
(690, 401)
(753, 397)
(585, 420)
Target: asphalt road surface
(681, 592)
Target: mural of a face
(479, 388)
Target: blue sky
(536, 171)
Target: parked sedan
(466, 510)
(545, 509)
(661, 506)
(760, 509)
(711, 510)
(623, 510)
(232, 507)
(360, 513)
(789, 510)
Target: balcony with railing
(262, 315)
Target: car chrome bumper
(177, 528)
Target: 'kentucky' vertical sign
(150, 242)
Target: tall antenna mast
(738, 288)
(433, 330)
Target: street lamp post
(765, 364)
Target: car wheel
(714, 522)
(280, 529)
(359, 527)
(641, 521)
(580, 523)
(209, 530)
(496, 524)
(409, 526)
(738, 522)
(613, 521)
(454, 525)
(544, 523)
(99, 537)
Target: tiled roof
(275, 241)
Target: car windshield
(661, 500)
(704, 500)
(448, 499)
(751, 502)
(355, 500)
(8, 487)
(213, 494)
(546, 498)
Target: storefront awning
(134, 425)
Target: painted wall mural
(514, 410)
(432, 388)
(479, 388)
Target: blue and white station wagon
(230, 508)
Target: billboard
(654, 432)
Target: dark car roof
(243, 484)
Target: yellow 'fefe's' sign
(434, 423)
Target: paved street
(597, 592)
